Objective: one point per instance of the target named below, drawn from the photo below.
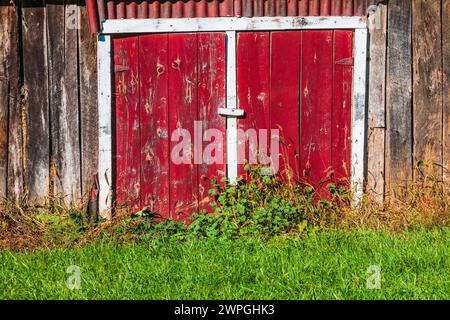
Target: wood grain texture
(6, 29)
(252, 74)
(211, 96)
(127, 133)
(446, 87)
(315, 118)
(15, 171)
(154, 122)
(63, 99)
(427, 87)
(376, 107)
(398, 96)
(342, 106)
(87, 46)
(284, 98)
(182, 114)
(36, 108)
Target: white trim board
(104, 125)
(358, 133)
(230, 24)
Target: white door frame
(230, 25)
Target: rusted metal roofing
(100, 10)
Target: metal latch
(231, 112)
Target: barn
(142, 103)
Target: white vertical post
(104, 125)
(232, 139)
(359, 114)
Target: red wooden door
(165, 85)
(299, 82)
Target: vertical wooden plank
(127, 140)
(15, 149)
(105, 125)
(182, 114)
(427, 86)
(154, 122)
(398, 96)
(87, 47)
(63, 98)
(446, 87)
(211, 97)
(359, 126)
(284, 98)
(6, 35)
(36, 109)
(252, 88)
(316, 83)
(377, 100)
(341, 109)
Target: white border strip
(104, 125)
(232, 139)
(359, 114)
(230, 24)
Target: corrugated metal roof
(100, 10)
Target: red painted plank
(127, 120)
(153, 54)
(182, 114)
(316, 86)
(341, 112)
(284, 98)
(252, 85)
(211, 97)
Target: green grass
(326, 265)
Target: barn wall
(408, 135)
(48, 90)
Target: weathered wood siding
(48, 95)
(408, 94)
(48, 100)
